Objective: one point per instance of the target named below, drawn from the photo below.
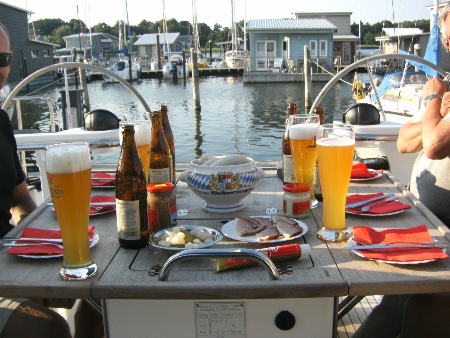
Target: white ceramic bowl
(222, 187)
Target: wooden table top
(330, 271)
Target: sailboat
(124, 67)
(202, 62)
(399, 95)
(238, 56)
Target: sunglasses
(5, 59)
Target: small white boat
(398, 95)
(122, 69)
(173, 66)
(237, 59)
(217, 62)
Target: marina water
(234, 117)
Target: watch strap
(431, 97)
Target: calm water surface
(234, 117)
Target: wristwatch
(431, 97)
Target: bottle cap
(306, 249)
(296, 187)
(160, 187)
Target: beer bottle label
(288, 169)
(128, 220)
(159, 175)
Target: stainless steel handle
(219, 253)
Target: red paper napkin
(108, 181)
(102, 208)
(382, 208)
(360, 170)
(40, 249)
(419, 233)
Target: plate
(374, 215)
(229, 230)
(95, 239)
(98, 178)
(356, 252)
(102, 212)
(378, 175)
(156, 236)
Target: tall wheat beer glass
(302, 135)
(142, 137)
(69, 179)
(335, 150)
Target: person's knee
(34, 320)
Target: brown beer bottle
(131, 195)
(170, 139)
(288, 174)
(160, 155)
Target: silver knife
(384, 246)
(357, 204)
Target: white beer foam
(142, 133)
(336, 141)
(68, 158)
(303, 131)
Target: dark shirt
(11, 173)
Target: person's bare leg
(33, 320)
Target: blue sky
(219, 11)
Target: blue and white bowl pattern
(203, 181)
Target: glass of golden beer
(302, 136)
(335, 151)
(142, 137)
(69, 179)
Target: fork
(425, 244)
(367, 207)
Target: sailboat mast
(233, 28)
(166, 44)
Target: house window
(46, 53)
(313, 47)
(34, 53)
(323, 48)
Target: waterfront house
(30, 53)
(274, 39)
(97, 45)
(147, 47)
(277, 46)
(344, 42)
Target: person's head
(413, 78)
(5, 55)
(444, 23)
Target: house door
(265, 54)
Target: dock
(157, 74)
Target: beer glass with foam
(302, 135)
(69, 178)
(142, 137)
(335, 151)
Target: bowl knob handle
(261, 173)
(183, 177)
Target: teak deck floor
(352, 320)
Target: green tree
(61, 31)
(45, 26)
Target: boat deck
(353, 319)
